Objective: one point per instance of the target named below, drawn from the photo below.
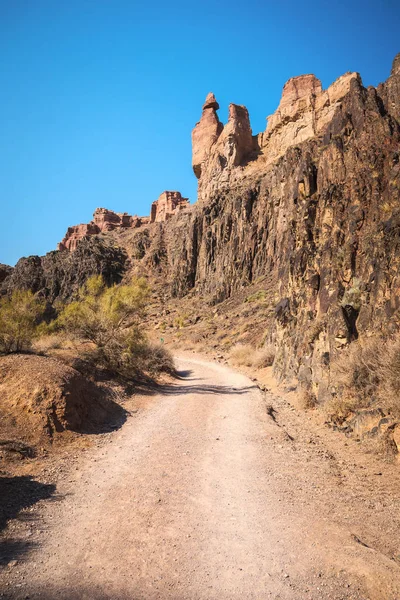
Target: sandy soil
(216, 490)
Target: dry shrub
(366, 373)
(359, 368)
(385, 446)
(244, 355)
(307, 398)
(107, 324)
(264, 357)
(157, 359)
(357, 376)
(390, 376)
(339, 407)
(53, 341)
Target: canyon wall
(314, 202)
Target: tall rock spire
(205, 133)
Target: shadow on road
(178, 390)
(184, 374)
(16, 494)
(149, 387)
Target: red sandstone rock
(76, 233)
(236, 139)
(211, 102)
(104, 220)
(304, 112)
(167, 205)
(298, 97)
(205, 133)
(217, 149)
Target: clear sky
(99, 97)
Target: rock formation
(103, 220)
(206, 133)
(5, 272)
(389, 91)
(313, 202)
(168, 204)
(61, 274)
(216, 148)
(304, 111)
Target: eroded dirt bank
(208, 493)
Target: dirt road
(204, 496)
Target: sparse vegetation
(244, 355)
(52, 341)
(367, 373)
(353, 295)
(20, 316)
(307, 398)
(180, 321)
(108, 322)
(260, 296)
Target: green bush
(109, 321)
(20, 315)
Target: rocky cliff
(167, 205)
(313, 202)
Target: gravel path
(202, 495)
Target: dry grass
(264, 357)
(306, 399)
(53, 341)
(244, 355)
(158, 360)
(367, 373)
(390, 375)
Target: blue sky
(98, 98)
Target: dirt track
(204, 495)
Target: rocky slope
(313, 203)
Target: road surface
(204, 495)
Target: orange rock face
(76, 233)
(205, 133)
(162, 209)
(237, 138)
(167, 205)
(217, 149)
(304, 112)
(103, 220)
(220, 153)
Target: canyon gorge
(312, 204)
